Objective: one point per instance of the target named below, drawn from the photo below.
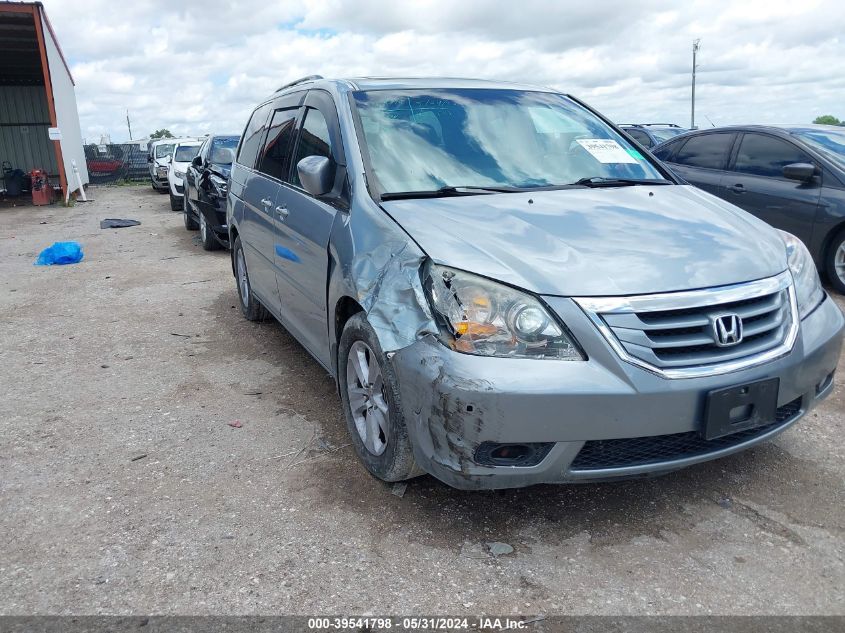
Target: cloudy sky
(198, 67)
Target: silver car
(508, 292)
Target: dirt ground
(124, 489)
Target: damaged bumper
(603, 418)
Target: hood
(180, 165)
(595, 242)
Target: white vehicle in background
(159, 159)
(183, 153)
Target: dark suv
(652, 134)
(206, 182)
(793, 177)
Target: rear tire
(188, 214)
(376, 426)
(250, 306)
(209, 241)
(835, 262)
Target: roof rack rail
(300, 80)
(647, 124)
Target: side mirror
(799, 171)
(316, 173)
(197, 162)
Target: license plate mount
(739, 408)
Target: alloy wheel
(243, 280)
(839, 262)
(366, 391)
(203, 228)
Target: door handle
(282, 210)
(267, 203)
(737, 188)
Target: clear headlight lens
(808, 288)
(178, 174)
(482, 317)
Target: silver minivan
(509, 291)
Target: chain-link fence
(115, 163)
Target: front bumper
(454, 402)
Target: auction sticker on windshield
(606, 150)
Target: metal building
(39, 122)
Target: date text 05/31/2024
(418, 623)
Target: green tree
(827, 119)
(164, 133)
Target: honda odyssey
(507, 292)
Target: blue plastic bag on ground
(61, 253)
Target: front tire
(175, 203)
(250, 306)
(835, 262)
(209, 242)
(369, 392)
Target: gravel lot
(124, 489)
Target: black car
(792, 177)
(652, 134)
(206, 182)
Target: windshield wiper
(445, 192)
(601, 181)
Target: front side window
(164, 149)
(314, 140)
(424, 140)
(707, 150)
(763, 155)
(640, 137)
(185, 153)
(274, 155)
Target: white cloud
(200, 67)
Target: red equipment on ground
(42, 192)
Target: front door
(305, 225)
(756, 183)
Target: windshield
(425, 140)
(164, 150)
(664, 134)
(831, 143)
(220, 143)
(185, 153)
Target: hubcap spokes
(243, 280)
(365, 387)
(202, 226)
(839, 262)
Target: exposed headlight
(485, 318)
(808, 288)
(162, 172)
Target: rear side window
(252, 136)
(706, 150)
(276, 150)
(314, 140)
(763, 155)
(640, 137)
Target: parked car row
(508, 289)
(792, 177)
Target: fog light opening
(524, 454)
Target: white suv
(183, 154)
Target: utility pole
(129, 125)
(696, 44)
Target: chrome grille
(674, 334)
